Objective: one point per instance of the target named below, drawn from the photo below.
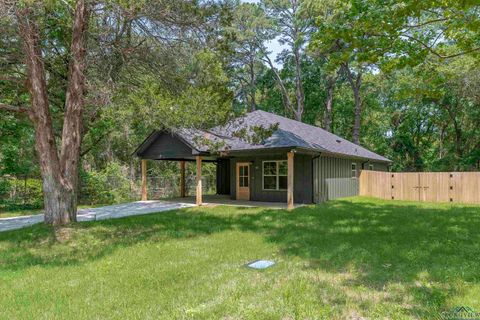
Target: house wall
(303, 192)
(332, 177)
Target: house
(294, 162)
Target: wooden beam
(290, 177)
(144, 180)
(182, 179)
(199, 181)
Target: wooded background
(401, 78)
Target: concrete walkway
(101, 213)
(225, 200)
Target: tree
(366, 35)
(58, 165)
(54, 56)
(292, 25)
(344, 51)
(250, 29)
(355, 80)
(324, 11)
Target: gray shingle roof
(290, 134)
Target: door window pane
(245, 181)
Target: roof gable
(164, 145)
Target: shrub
(105, 187)
(20, 194)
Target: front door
(243, 181)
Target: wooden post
(290, 181)
(199, 181)
(144, 180)
(182, 179)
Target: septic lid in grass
(260, 264)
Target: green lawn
(350, 258)
(18, 213)
(28, 212)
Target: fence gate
(463, 187)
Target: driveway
(100, 213)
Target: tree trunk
(59, 201)
(328, 118)
(452, 112)
(285, 98)
(45, 145)
(355, 83)
(74, 105)
(358, 116)
(299, 86)
(59, 173)
(252, 90)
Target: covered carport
(166, 146)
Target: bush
(105, 187)
(20, 194)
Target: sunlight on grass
(350, 258)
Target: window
(275, 175)
(243, 176)
(354, 170)
(370, 167)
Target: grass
(17, 213)
(350, 258)
(28, 212)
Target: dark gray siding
(332, 177)
(302, 181)
(166, 146)
(223, 176)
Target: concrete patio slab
(227, 201)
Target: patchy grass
(18, 213)
(29, 212)
(349, 258)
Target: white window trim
(356, 171)
(370, 167)
(277, 175)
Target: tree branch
(426, 23)
(11, 108)
(431, 50)
(286, 99)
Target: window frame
(277, 175)
(354, 175)
(370, 167)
